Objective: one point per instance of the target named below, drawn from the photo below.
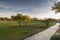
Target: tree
(13, 17)
(56, 7)
(2, 18)
(26, 19)
(34, 19)
(46, 22)
(6, 18)
(18, 18)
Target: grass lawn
(11, 31)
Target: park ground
(9, 30)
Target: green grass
(11, 30)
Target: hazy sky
(33, 8)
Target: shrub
(55, 37)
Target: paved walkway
(58, 31)
(44, 35)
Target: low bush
(55, 37)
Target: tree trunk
(19, 22)
(26, 24)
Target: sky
(33, 8)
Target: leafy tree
(6, 19)
(26, 19)
(56, 7)
(2, 18)
(18, 18)
(13, 17)
(34, 19)
(47, 21)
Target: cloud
(1, 7)
(34, 8)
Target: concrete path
(44, 35)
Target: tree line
(25, 18)
(19, 18)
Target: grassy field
(11, 30)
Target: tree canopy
(56, 7)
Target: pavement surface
(46, 34)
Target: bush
(55, 37)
